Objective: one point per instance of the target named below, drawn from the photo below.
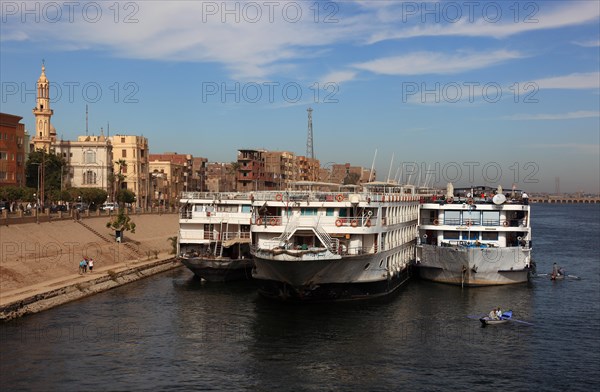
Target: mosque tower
(45, 134)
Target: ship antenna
(390, 171)
(373, 165)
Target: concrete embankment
(32, 300)
(39, 262)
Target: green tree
(351, 179)
(121, 222)
(53, 166)
(12, 193)
(125, 196)
(232, 171)
(94, 197)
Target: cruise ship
(324, 242)
(475, 237)
(214, 235)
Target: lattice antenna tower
(310, 152)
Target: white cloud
(557, 116)
(420, 63)
(588, 44)
(185, 31)
(338, 77)
(589, 80)
(575, 13)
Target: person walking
(91, 264)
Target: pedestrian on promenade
(91, 264)
(81, 264)
(85, 265)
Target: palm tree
(119, 177)
(232, 171)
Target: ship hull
(345, 279)
(219, 269)
(474, 266)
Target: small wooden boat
(487, 320)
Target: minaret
(44, 132)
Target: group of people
(495, 314)
(85, 264)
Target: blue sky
(475, 92)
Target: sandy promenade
(33, 256)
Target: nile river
(170, 332)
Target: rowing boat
(506, 317)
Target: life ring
(273, 221)
(505, 223)
(339, 197)
(470, 200)
(354, 223)
(436, 221)
(259, 221)
(339, 223)
(279, 197)
(450, 200)
(368, 223)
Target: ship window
(367, 266)
(473, 216)
(491, 218)
(308, 211)
(469, 235)
(246, 208)
(488, 236)
(452, 217)
(329, 212)
(451, 235)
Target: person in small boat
(556, 270)
(493, 314)
(499, 313)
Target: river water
(170, 332)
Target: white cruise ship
(315, 243)
(475, 237)
(214, 235)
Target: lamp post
(37, 195)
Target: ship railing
(468, 200)
(318, 196)
(471, 222)
(230, 235)
(341, 250)
(308, 220)
(329, 242)
(185, 214)
(216, 196)
(290, 226)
